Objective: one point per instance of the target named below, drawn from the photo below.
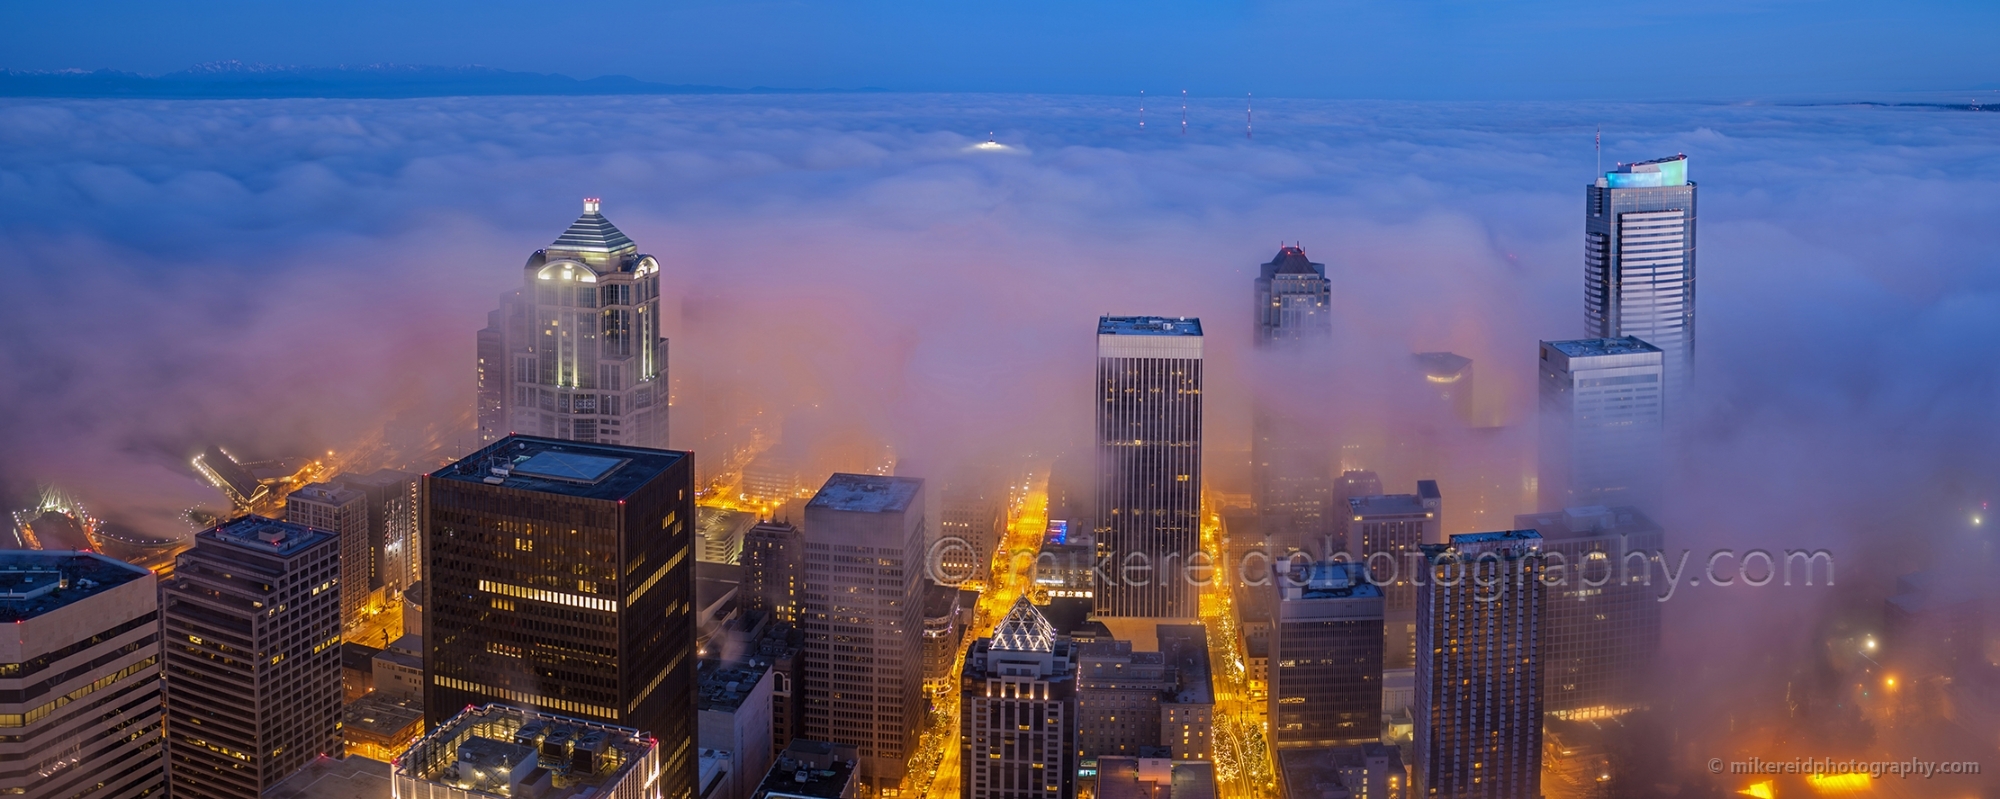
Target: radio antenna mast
(1183, 112)
(1599, 145)
(1249, 129)
(1142, 109)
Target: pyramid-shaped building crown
(1024, 630)
(591, 232)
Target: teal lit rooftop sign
(1649, 174)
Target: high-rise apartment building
(251, 623)
(1638, 261)
(1480, 632)
(577, 352)
(863, 620)
(1603, 618)
(1149, 464)
(393, 525)
(561, 578)
(80, 691)
(1602, 423)
(343, 512)
(1292, 449)
(1326, 657)
(774, 570)
(1017, 712)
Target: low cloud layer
(289, 276)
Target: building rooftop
(811, 770)
(866, 493)
(352, 777)
(326, 494)
(381, 717)
(34, 582)
(1293, 261)
(1586, 347)
(940, 601)
(581, 757)
(591, 232)
(1024, 630)
(1387, 505)
(724, 687)
(1494, 537)
(268, 536)
(1121, 777)
(1323, 772)
(1657, 173)
(1443, 367)
(1589, 521)
(1506, 543)
(1148, 326)
(360, 657)
(569, 468)
(1329, 580)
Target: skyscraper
(1603, 618)
(1149, 464)
(1480, 632)
(1294, 298)
(1017, 711)
(252, 629)
(1385, 532)
(393, 525)
(343, 512)
(863, 619)
(774, 570)
(576, 353)
(1326, 657)
(1291, 453)
(82, 681)
(1601, 423)
(561, 578)
(1638, 261)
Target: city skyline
(907, 335)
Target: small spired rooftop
(592, 233)
(1024, 630)
(1293, 261)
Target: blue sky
(1407, 49)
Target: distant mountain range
(237, 80)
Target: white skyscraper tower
(576, 352)
(1639, 262)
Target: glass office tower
(561, 578)
(1639, 261)
(1149, 464)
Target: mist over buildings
(286, 277)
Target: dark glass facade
(1326, 658)
(1149, 465)
(561, 578)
